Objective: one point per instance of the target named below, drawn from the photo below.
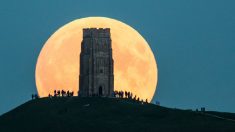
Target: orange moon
(135, 68)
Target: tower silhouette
(96, 63)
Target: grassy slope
(72, 114)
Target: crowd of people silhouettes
(57, 93)
(62, 93)
(35, 96)
(128, 95)
(116, 94)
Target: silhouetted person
(131, 95)
(142, 101)
(36, 96)
(157, 103)
(116, 94)
(126, 94)
(64, 93)
(32, 96)
(203, 109)
(122, 94)
(138, 99)
(68, 94)
(146, 101)
(55, 93)
(135, 98)
(58, 92)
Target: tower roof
(96, 32)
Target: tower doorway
(100, 91)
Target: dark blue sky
(193, 42)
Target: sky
(193, 42)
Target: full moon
(135, 68)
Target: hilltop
(74, 114)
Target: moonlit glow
(135, 67)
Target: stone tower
(96, 63)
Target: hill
(76, 114)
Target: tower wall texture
(96, 63)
